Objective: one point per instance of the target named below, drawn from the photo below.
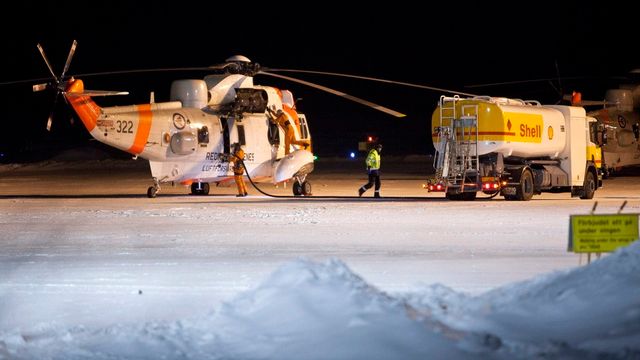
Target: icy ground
(92, 269)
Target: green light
(315, 157)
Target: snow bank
(325, 311)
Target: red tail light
(490, 186)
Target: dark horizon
(448, 47)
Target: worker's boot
(360, 192)
(376, 195)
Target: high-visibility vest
(373, 160)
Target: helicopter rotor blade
(516, 82)
(24, 81)
(526, 81)
(53, 109)
(117, 72)
(49, 121)
(338, 93)
(569, 98)
(40, 87)
(97, 93)
(47, 62)
(402, 83)
(559, 89)
(69, 57)
(132, 71)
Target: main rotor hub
(238, 58)
(239, 64)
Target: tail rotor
(59, 83)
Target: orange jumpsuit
(283, 121)
(238, 170)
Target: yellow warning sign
(601, 233)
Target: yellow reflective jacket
(373, 160)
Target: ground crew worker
(238, 169)
(283, 120)
(373, 170)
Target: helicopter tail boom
(84, 106)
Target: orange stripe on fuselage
(87, 110)
(144, 128)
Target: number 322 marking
(124, 127)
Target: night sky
(449, 45)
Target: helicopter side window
(304, 127)
(636, 130)
(225, 135)
(241, 137)
(203, 135)
(273, 133)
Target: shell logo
(550, 132)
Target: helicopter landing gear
(152, 191)
(200, 188)
(301, 186)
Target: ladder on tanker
(447, 106)
(457, 160)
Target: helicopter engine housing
(191, 93)
(620, 98)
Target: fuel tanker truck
(512, 148)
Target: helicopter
(617, 128)
(188, 139)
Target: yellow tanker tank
(511, 127)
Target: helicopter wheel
(152, 192)
(200, 188)
(297, 189)
(306, 188)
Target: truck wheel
(524, 191)
(589, 188)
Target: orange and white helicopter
(187, 139)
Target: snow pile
(591, 311)
(324, 311)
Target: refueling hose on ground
(412, 198)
